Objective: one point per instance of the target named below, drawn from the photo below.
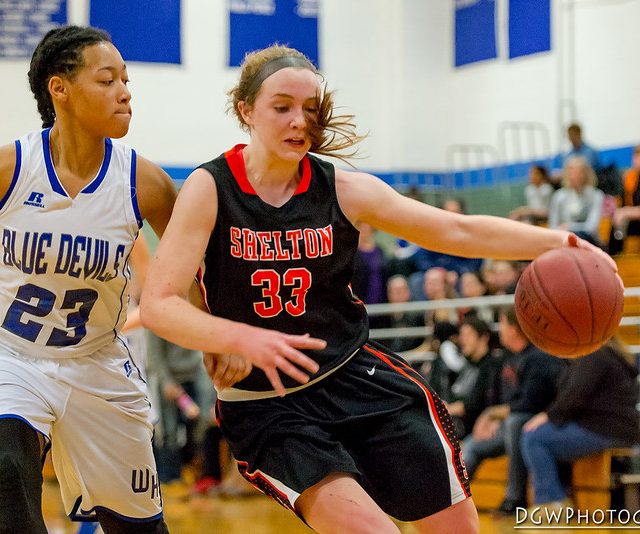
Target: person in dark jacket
(478, 384)
(595, 409)
(528, 385)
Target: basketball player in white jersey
(72, 201)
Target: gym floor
(256, 514)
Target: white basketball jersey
(64, 270)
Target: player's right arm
(166, 310)
(7, 167)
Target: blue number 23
(38, 302)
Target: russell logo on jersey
(35, 199)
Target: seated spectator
(398, 293)
(478, 384)
(501, 276)
(436, 285)
(369, 276)
(626, 218)
(472, 285)
(595, 409)
(182, 394)
(369, 271)
(442, 370)
(577, 205)
(538, 195)
(527, 386)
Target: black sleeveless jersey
(286, 268)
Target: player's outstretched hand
(226, 369)
(274, 351)
(572, 240)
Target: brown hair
(509, 313)
(330, 135)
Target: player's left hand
(572, 240)
(226, 369)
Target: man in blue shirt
(580, 148)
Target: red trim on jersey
(236, 164)
(235, 160)
(429, 397)
(303, 186)
(256, 476)
(203, 289)
(217, 413)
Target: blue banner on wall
(475, 31)
(256, 24)
(24, 22)
(529, 27)
(143, 30)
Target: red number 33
(271, 282)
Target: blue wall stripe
(480, 177)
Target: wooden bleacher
(592, 481)
(629, 270)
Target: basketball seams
(551, 304)
(589, 295)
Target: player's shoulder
(7, 159)
(8, 165)
(155, 189)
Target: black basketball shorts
(374, 418)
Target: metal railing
(493, 301)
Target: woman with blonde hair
(577, 205)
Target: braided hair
(59, 53)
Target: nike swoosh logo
(371, 371)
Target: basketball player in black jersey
(363, 436)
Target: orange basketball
(569, 301)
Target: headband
(274, 65)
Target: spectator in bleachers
(478, 384)
(472, 285)
(183, 396)
(528, 381)
(443, 321)
(369, 276)
(442, 370)
(398, 293)
(577, 205)
(580, 148)
(626, 218)
(437, 285)
(501, 276)
(538, 196)
(595, 409)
